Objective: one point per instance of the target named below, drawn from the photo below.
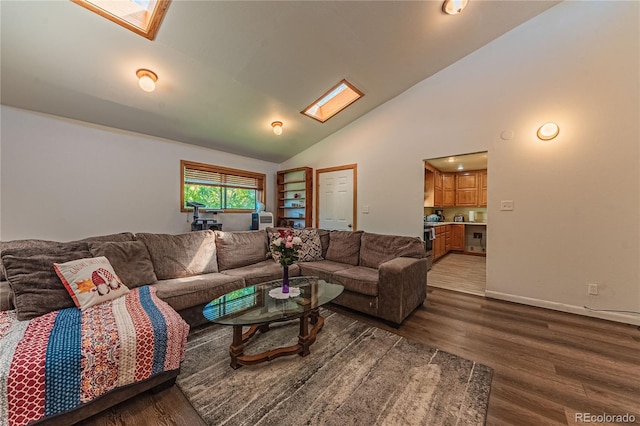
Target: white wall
(576, 64)
(65, 179)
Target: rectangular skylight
(333, 101)
(143, 17)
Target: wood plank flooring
(548, 365)
(460, 272)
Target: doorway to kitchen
(456, 222)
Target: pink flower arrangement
(287, 246)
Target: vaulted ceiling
(227, 69)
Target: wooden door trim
(353, 167)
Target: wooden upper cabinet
(448, 189)
(437, 190)
(467, 189)
(483, 188)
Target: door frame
(353, 167)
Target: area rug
(355, 375)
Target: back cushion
(238, 249)
(344, 247)
(182, 255)
(6, 245)
(130, 260)
(376, 249)
(36, 288)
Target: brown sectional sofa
(383, 275)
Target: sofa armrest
(402, 287)
(6, 296)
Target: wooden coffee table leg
(237, 347)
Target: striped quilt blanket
(59, 361)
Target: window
(220, 188)
(143, 17)
(335, 100)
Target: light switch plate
(506, 205)
(365, 209)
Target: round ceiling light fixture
(277, 127)
(453, 7)
(548, 131)
(147, 79)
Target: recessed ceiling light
(451, 159)
(333, 101)
(453, 7)
(460, 167)
(548, 131)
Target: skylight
(143, 17)
(335, 100)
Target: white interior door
(336, 199)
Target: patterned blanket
(61, 360)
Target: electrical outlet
(506, 205)
(592, 289)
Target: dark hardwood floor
(548, 365)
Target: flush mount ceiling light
(460, 167)
(277, 127)
(548, 131)
(333, 101)
(147, 80)
(453, 7)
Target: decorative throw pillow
(130, 260)
(311, 249)
(90, 281)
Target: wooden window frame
(261, 195)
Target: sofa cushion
(182, 293)
(344, 246)
(6, 296)
(323, 269)
(375, 249)
(237, 249)
(359, 279)
(130, 260)
(90, 281)
(182, 255)
(35, 285)
(261, 272)
(6, 245)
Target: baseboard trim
(572, 309)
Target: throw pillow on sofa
(36, 288)
(130, 260)
(311, 249)
(344, 247)
(182, 255)
(90, 281)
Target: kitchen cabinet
(448, 189)
(457, 237)
(294, 203)
(483, 188)
(467, 185)
(447, 239)
(437, 189)
(439, 243)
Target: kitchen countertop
(428, 224)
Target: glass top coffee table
(260, 305)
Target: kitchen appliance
(429, 236)
(432, 218)
(458, 218)
(472, 216)
(440, 215)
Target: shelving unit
(294, 192)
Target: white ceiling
(475, 161)
(227, 69)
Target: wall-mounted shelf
(294, 187)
